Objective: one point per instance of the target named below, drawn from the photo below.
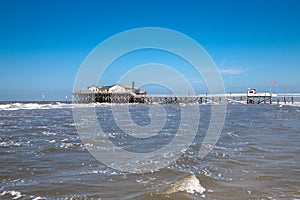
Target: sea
(43, 156)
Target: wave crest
(189, 184)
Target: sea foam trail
(54, 105)
(11, 194)
(296, 104)
(33, 106)
(189, 184)
(57, 105)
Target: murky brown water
(256, 157)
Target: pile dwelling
(117, 93)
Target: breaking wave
(189, 184)
(32, 106)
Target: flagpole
(271, 84)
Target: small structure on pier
(251, 91)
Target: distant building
(121, 88)
(99, 89)
(93, 88)
(116, 88)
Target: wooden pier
(231, 98)
(234, 98)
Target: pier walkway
(230, 98)
(241, 98)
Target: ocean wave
(51, 105)
(11, 194)
(33, 106)
(189, 184)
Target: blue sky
(43, 43)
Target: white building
(116, 88)
(121, 88)
(102, 89)
(93, 88)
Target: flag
(273, 82)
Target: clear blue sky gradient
(43, 43)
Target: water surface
(256, 157)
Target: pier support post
(201, 100)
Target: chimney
(132, 86)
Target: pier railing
(231, 98)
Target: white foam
(32, 106)
(38, 198)
(189, 184)
(14, 194)
(295, 104)
(48, 133)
